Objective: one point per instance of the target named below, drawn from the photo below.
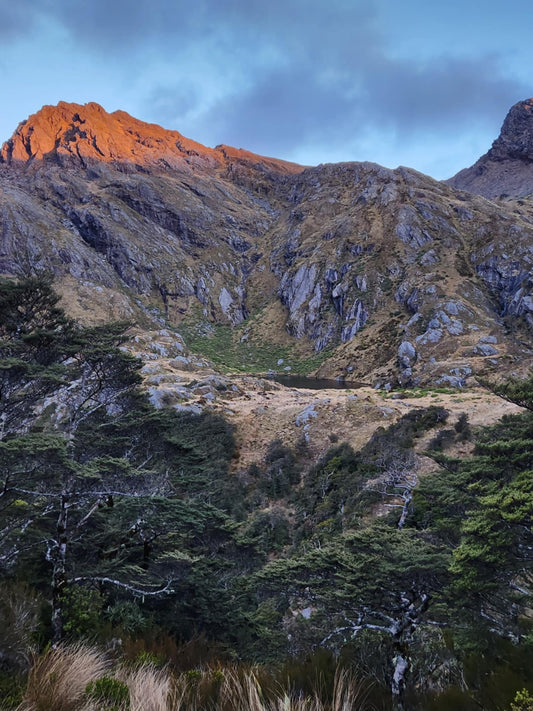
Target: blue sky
(399, 83)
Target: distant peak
(507, 168)
(516, 136)
(74, 134)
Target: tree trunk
(403, 636)
(401, 667)
(59, 579)
(407, 498)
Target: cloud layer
(288, 77)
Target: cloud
(126, 24)
(274, 76)
(15, 19)
(312, 71)
(336, 94)
(443, 93)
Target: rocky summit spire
(516, 137)
(507, 168)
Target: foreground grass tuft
(58, 678)
(79, 678)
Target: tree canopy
(127, 516)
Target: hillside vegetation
(126, 527)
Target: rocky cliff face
(392, 275)
(507, 168)
(78, 135)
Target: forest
(131, 547)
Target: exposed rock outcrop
(507, 168)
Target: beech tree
(63, 390)
(482, 507)
(493, 562)
(378, 578)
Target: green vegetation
(410, 394)
(230, 349)
(523, 701)
(131, 526)
(99, 491)
(109, 693)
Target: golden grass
(149, 688)
(242, 691)
(58, 678)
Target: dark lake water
(304, 381)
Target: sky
(398, 82)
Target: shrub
(82, 612)
(523, 701)
(110, 693)
(282, 471)
(462, 427)
(11, 690)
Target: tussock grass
(19, 619)
(348, 694)
(58, 681)
(149, 688)
(242, 691)
(58, 678)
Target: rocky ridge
(80, 134)
(385, 275)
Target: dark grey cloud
(111, 26)
(445, 93)
(273, 76)
(330, 77)
(282, 110)
(15, 19)
(312, 100)
(130, 25)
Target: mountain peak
(74, 134)
(516, 136)
(507, 168)
(80, 133)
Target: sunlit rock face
(78, 134)
(388, 274)
(507, 168)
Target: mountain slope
(385, 274)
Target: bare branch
(131, 588)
